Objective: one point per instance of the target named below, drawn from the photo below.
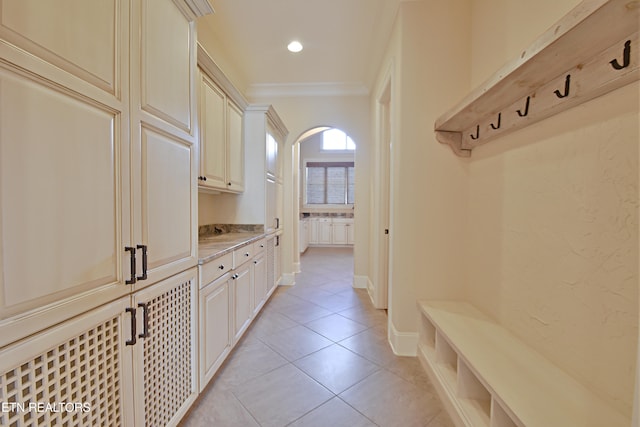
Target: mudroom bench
(486, 376)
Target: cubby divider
(446, 355)
(474, 395)
(427, 333)
(499, 417)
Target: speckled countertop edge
(210, 248)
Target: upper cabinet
(221, 136)
(97, 154)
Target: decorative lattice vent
(79, 379)
(167, 355)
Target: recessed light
(295, 46)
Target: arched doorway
(324, 189)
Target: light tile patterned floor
(318, 356)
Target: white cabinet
(216, 339)
(221, 139)
(241, 286)
(122, 352)
(259, 281)
(165, 354)
(330, 231)
(265, 134)
(100, 162)
(88, 355)
(325, 232)
(303, 235)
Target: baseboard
(296, 267)
(360, 282)
(403, 343)
(287, 279)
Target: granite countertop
(211, 247)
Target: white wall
(428, 61)
(553, 217)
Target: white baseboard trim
(287, 279)
(360, 282)
(403, 343)
(296, 267)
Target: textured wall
(553, 226)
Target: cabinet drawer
(216, 268)
(242, 255)
(258, 247)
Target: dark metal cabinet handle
(132, 310)
(246, 254)
(133, 265)
(277, 222)
(144, 262)
(145, 320)
(221, 267)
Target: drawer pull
(246, 254)
(221, 267)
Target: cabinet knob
(229, 184)
(221, 267)
(246, 254)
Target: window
(335, 139)
(330, 183)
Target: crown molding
(285, 90)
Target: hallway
(317, 355)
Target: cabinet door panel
(58, 33)
(168, 57)
(168, 203)
(166, 360)
(259, 282)
(83, 360)
(235, 167)
(212, 134)
(215, 327)
(242, 299)
(62, 208)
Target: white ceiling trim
(287, 90)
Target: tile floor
(317, 355)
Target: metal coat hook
(477, 135)
(498, 125)
(526, 108)
(567, 83)
(626, 57)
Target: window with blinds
(330, 183)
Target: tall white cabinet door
(64, 198)
(259, 268)
(165, 358)
(212, 134)
(163, 139)
(84, 360)
(167, 63)
(235, 166)
(167, 201)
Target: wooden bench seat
(486, 376)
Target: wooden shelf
(593, 50)
(498, 381)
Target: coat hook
(626, 57)
(567, 82)
(498, 125)
(526, 108)
(477, 135)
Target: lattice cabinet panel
(70, 375)
(166, 354)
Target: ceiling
(343, 42)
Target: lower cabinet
(216, 339)
(129, 362)
(230, 300)
(331, 231)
